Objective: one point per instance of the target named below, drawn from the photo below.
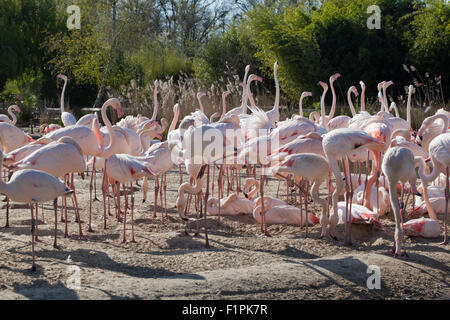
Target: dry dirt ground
(240, 264)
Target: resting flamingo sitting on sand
(283, 214)
(422, 227)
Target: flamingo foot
(184, 234)
(96, 199)
(90, 230)
(33, 268)
(197, 235)
(133, 241)
(443, 243)
(267, 234)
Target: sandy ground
(240, 264)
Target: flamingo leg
(90, 197)
(77, 212)
(33, 231)
(37, 222)
(197, 206)
(165, 194)
(55, 207)
(7, 213)
(156, 197)
(104, 193)
(64, 208)
(219, 189)
(301, 205)
(161, 198)
(132, 213)
(447, 197)
(306, 209)
(351, 202)
(124, 237)
(206, 201)
(263, 213)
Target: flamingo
(340, 144)
(124, 169)
(242, 110)
(431, 128)
(439, 151)
(359, 215)
(12, 137)
(274, 114)
(47, 128)
(286, 214)
(343, 121)
(34, 186)
(300, 104)
(422, 227)
(311, 167)
(13, 120)
(67, 118)
(57, 158)
(399, 165)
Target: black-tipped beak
(245, 195)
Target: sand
(240, 263)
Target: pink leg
(447, 197)
(33, 232)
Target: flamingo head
(334, 77)
(275, 66)
(62, 76)
(411, 88)
(200, 94)
(15, 108)
(155, 83)
(247, 68)
(380, 85)
(354, 91)
(226, 93)
(323, 85)
(306, 94)
(115, 103)
(387, 84)
(363, 85)
(254, 77)
(176, 108)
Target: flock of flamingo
(370, 159)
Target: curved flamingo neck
(322, 108)
(224, 105)
(108, 127)
(300, 103)
(276, 106)
(333, 105)
(394, 106)
(350, 102)
(13, 116)
(176, 114)
(444, 118)
(62, 96)
(363, 97)
(155, 102)
(408, 106)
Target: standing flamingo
(67, 118)
(340, 144)
(439, 151)
(34, 186)
(399, 165)
(274, 114)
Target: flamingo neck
(224, 106)
(5, 187)
(276, 106)
(322, 109)
(109, 128)
(408, 109)
(200, 104)
(363, 99)
(13, 116)
(350, 103)
(173, 124)
(245, 83)
(62, 96)
(385, 101)
(333, 105)
(155, 103)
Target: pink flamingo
(34, 186)
(67, 118)
(124, 169)
(57, 158)
(439, 150)
(431, 128)
(343, 121)
(311, 167)
(13, 120)
(274, 114)
(300, 104)
(340, 144)
(399, 165)
(422, 227)
(12, 137)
